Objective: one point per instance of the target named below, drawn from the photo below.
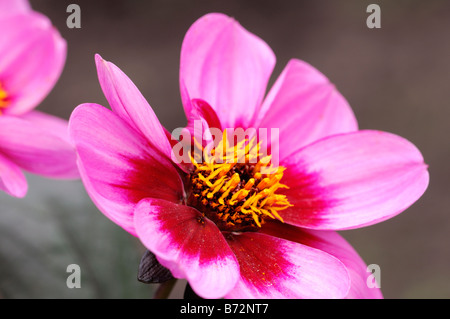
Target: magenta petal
(227, 66)
(32, 57)
(353, 180)
(272, 267)
(12, 180)
(306, 107)
(37, 148)
(202, 110)
(118, 166)
(203, 128)
(201, 120)
(185, 98)
(334, 244)
(190, 245)
(13, 7)
(128, 103)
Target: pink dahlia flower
(32, 56)
(228, 228)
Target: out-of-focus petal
(305, 107)
(32, 57)
(335, 245)
(190, 245)
(36, 148)
(55, 125)
(353, 180)
(13, 7)
(227, 66)
(118, 166)
(272, 267)
(12, 180)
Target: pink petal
(13, 7)
(203, 128)
(53, 124)
(334, 244)
(37, 148)
(306, 107)
(32, 57)
(202, 110)
(353, 180)
(272, 267)
(227, 66)
(118, 166)
(185, 98)
(201, 119)
(12, 180)
(190, 245)
(128, 103)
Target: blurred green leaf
(57, 225)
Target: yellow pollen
(230, 185)
(4, 98)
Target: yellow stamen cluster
(235, 187)
(4, 99)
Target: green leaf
(57, 225)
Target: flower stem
(165, 289)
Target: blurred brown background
(396, 78)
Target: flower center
(4, 99)
(235, 187)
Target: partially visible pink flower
(32, 57)
(231, 230)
